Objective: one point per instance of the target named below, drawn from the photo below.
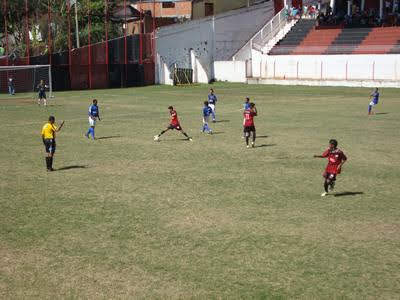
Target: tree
(39, 14)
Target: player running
(94, 114)
(336, 159)
(248, 124)
(42, 92)
(374, 101)
(174, 124)
(207, 111)
(49, 140)
(212, 101)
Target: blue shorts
(42, 95)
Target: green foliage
(38, 15)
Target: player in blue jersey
(212, 101)
(94, 114)
(374, 101)
(246, 104)
(207, 111)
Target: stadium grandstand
(325, 42)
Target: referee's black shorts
(50, 145)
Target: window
(208, 9)
(168, 5)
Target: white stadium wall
(342, 70)
(210, 39)
(231, 71)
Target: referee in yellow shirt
(49, 140)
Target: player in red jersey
(248, 124)
(336, 159)
(174, 124)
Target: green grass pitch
(127, 217)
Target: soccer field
(127, 217)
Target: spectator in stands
(305, 11)
(354, 8)
(348, 20)
(329, 10)
(364, 19)
(388, 6)
(294, 12)
(11, 88)
(312, 11)
(396, 6)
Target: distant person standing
(248, 124)
(42, 92)
(207, 111)
(11, 88)
(374, 101)
(212, 101)
(94, 114)
(2, 51)
(246, 106)
(49, 140)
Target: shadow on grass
(71, 167)
(262, 136)
(384, 113)
(108, 137)
(348, 194)
(175, 140)
(222, 121)
(217, 132)
(265, 145)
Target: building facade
(205, 8)
(165, 8)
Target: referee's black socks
(48, 162)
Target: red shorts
(329, 176)
(175, 126)
(332, 169)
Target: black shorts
(50, 145)
(42, 95)
(249, 129)
(330, 176)
(176, 127)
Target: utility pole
(76, 23)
